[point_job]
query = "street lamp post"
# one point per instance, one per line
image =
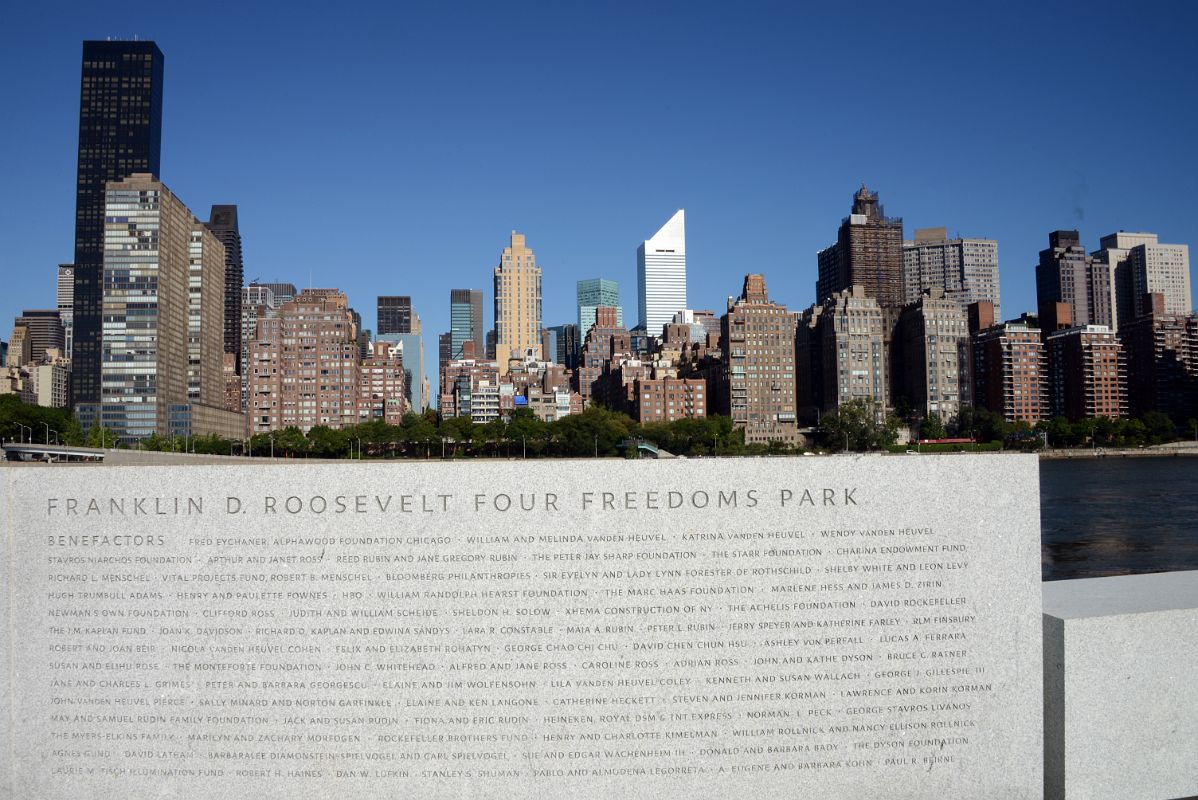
(21, 438)
(358, 439)
(596, 445)
(57, 440)
(272, 445)
(46, 425)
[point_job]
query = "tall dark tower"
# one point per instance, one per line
(465, 321)
(1068, 276)
(120, 132)
(868, 252)
(222, 221)
(394, 314)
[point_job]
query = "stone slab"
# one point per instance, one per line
(1121, 687)
(833, 628)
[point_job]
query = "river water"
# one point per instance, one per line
(1118, 516)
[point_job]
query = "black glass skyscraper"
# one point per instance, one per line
(223, 224)
(465, 321)
(120, 132)
(394, 314)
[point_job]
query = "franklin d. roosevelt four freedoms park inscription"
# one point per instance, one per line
(833, 628)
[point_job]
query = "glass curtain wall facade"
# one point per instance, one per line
(590, 295)
(465, 321)
(394, 314)
(146, 308)
(120, 133)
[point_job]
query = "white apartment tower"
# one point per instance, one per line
(1140, 264)
(661, 275)
(966, 269)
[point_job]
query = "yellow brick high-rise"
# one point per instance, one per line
(517, 303)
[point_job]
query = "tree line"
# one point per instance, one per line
(857, 426)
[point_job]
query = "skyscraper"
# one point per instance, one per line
(283, 292)
(206, 309)
(222, 221)
(568, 343)
(257, 302)
(840, 355)
(1161, 355)
(412, 353)
(148, 259)
(517, 303)
(465, 321)
(44, 329)
(66, 305)
(444, 351)
(382, 391)
(394, 314)
(1010, 367)
(606, 338)
(966, 269)
(932, 357)
(120, 133)
(591, 294)
(868, 253)
(305, 365)
(1067, 275)
(1087, 373)
(758, 337)
(661, 275)
(1141, 265)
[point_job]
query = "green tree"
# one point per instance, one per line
(458, 432)
(989, 426)
(859, 425)
(932, 427)
(528, 431)
(1134, 432)
(1104, 431)
(291, 442)
(417, 433)
(1160, 427)
(1083, 432)
(326, 442)
(260, 445)
(1060, 433)
(159, 444)
(23, 422)
(962, 424)
(596, 429)
(689, 436)
(99, 436)
(378, 438)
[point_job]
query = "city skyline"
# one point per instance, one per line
(581, 205)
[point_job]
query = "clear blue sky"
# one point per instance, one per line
(390, 148)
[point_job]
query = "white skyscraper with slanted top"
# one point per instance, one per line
(661, 275)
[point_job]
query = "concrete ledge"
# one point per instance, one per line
(1121, 687)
